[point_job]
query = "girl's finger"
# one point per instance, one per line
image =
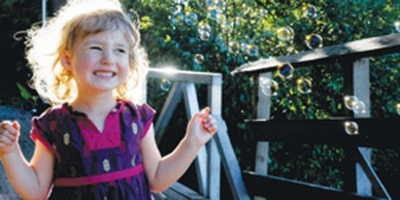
(12, 128)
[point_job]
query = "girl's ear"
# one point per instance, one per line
(65, 60)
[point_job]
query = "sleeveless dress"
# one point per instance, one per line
(91, 164)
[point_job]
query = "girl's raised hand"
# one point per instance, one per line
(202, 127)
(9, 134)
(208, 121)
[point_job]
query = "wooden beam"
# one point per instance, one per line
(273, 187)
(372, 132)
(355, 49)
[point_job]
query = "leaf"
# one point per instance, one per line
(24, 92)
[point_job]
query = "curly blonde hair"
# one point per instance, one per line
(74, 21)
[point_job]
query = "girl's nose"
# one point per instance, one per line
(108, 58)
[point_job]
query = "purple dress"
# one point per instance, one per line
(91, 164)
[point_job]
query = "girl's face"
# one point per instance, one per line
(99, 62)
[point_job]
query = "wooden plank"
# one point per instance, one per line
(214, 99)
(273, 187)
(182, 75)
(178, 191)
(373, 178)
(192, 107)
(373, 132)
(168, 109)
(229, 161)
(355, 49)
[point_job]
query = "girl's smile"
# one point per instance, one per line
(99, 62)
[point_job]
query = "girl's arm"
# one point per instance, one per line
(164, 171)
(30, 180)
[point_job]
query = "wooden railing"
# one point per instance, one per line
(361, 181)
(219, 149)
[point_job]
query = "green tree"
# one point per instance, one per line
(220, 35)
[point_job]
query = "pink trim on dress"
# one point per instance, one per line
(101, 178)
(36, 136)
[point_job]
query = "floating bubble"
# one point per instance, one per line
(314, 41)
(205, 36)
(396, 25)
(398, 108)
(191, 18)
(212, 3)
(359, 107)
(310, 11)
(304, 85)
(285, 33)
(350, 101)
(215, 13)
(234, 47)
(351, 128)
(203, 27)
(165, 84)
(204, 30)
(285, 70)
(268, 86)
(250, 49)
(199, 58)
(178, 18)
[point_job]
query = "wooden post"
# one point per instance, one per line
(262, 148)
(361, 88)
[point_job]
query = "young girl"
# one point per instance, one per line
(94, 143)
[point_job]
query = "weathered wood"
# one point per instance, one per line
(208, 163)
(183, 75)
(355, 49)
(167, 110)
(231, 166)
(361, 89)
(373, 132)
(273, 187)
(178, 191)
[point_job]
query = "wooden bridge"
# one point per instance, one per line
(218, 155)
(361, 181)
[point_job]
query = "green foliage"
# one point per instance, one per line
(237, 27)
(14, 20)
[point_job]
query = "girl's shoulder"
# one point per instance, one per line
(138, 107)
(142, 110)
(53, 111)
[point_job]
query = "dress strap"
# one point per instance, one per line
(101, 178)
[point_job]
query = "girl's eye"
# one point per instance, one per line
(121, 51)
(95, 48)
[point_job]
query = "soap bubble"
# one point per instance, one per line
(204, 30)
(268, 86)
(177, 18)
(350, 101)
(199, 58)
(285, 33)
(234, 47)
(285, 70)
(304, 85)
(359, 107)
(310, 11)
(351, 128)
(165, 84)
(211, 3)
(191, 18)
(250, 49)
(314, 41)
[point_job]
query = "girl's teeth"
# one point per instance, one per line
(104, 74)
